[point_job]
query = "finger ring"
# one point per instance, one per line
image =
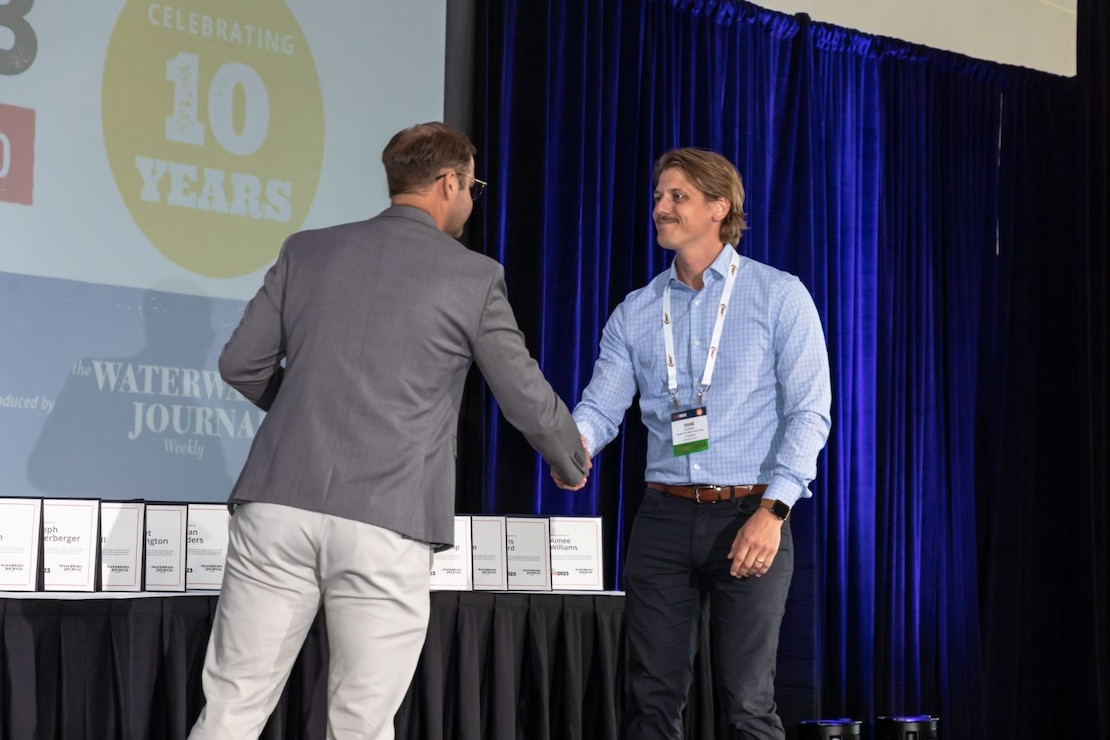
(759, 561)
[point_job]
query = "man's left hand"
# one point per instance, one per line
(757, 542)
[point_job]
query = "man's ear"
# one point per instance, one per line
(721, 207)
(443, 184)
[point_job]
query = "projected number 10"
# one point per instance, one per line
(183, 126)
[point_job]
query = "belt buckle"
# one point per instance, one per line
(697, 494)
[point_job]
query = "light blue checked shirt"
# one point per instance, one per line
(768, 405)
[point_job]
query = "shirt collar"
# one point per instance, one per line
(719, 266)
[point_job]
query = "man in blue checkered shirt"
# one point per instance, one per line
(729, 359)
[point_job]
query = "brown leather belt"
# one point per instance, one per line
(700, 494)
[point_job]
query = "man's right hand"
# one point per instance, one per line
(589, 464)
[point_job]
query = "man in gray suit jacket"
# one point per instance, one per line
(358, 345)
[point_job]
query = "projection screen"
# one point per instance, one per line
(153, 157)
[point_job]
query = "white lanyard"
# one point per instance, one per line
(718, 326)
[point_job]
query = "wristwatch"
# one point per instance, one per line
(778, 508)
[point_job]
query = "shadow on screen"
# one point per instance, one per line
(159, 424)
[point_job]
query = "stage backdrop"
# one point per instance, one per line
(153, 157)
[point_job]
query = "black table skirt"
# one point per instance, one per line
(498, 666)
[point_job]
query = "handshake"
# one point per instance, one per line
(589, 464)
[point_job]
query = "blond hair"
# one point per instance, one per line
(715, 177)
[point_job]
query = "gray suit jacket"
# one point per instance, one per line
(377, 323)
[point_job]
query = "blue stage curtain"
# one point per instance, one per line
(1044, 421)
(938, 233)
(874, 172)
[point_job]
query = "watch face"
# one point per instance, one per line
(777, 508)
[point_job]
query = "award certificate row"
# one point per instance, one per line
(88, 545)
(95, 545)
(510, 553)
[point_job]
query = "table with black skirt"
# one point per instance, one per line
(495, 665)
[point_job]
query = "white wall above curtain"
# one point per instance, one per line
(1039, 34)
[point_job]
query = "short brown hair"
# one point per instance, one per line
(715, 177)
(414, 156)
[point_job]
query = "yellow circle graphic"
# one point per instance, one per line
(214, 128)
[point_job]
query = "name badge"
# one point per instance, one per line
(690, 431)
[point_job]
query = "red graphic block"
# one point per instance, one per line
(17, 154)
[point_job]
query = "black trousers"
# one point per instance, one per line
(676, 567)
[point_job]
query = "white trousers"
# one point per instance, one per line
(282, 563)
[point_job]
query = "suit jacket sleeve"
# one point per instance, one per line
(526, 398)
(251, 360)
